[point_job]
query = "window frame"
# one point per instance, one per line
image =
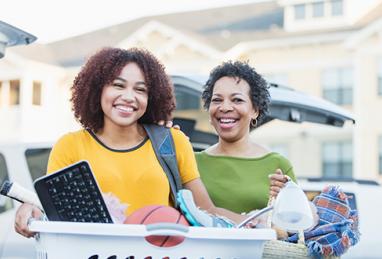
(185, 90)
(40, 155)
(14, 101)
(314, 9)
(338, 3)
(37, 99)
(299, 9)
(342, 163)
(342, 93)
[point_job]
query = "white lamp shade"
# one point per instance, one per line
(291, 209)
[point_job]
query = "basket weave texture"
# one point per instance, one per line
(277, 249)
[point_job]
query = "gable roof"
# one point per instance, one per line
(202, 25)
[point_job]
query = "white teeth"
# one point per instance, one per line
(227, 120)
(124, 108)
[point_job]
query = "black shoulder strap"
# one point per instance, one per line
(164, 148)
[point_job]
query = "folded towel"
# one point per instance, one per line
(337, 228)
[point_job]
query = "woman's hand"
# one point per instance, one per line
(23, 214)
(168, 124)
(277, 182)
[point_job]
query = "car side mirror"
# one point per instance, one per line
(12, 36)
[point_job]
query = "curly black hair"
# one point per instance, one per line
(259, 92)
(102, 68)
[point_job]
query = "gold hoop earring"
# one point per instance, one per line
(254, 123)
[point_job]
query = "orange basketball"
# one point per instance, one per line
(158, 214)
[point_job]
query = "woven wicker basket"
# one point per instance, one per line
(276, 249)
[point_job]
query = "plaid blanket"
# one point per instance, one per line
(337, 229)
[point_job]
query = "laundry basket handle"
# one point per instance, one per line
(170, 229)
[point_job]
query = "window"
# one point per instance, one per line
(299, 11)
(37, 160)
(338, 159)
(380, 156)
(338, 85)
(186, 98)
(14, 89)
(380, 77)
(36, 95)
(318, 9)
(337, 7)
(5, 203)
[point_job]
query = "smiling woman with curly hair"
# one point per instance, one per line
(116, 92)
(103, 68)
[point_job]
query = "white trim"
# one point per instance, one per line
(245, 47)
(294, 2)
(176, 38)
(361, 35)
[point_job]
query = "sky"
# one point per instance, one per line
(52, 20)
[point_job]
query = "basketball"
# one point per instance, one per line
(158, 214)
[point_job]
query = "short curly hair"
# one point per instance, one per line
(102, 68)
(259, 92)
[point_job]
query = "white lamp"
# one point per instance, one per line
(291, 210)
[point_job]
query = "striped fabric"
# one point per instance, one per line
(337, 229)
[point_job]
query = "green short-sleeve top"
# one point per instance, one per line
(240, 184)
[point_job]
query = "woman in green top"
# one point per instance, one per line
(236, 171)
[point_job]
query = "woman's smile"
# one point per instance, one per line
(124, 110)
(227, 123)
(231, 109)
(124, 101)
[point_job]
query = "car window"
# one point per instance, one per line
(186, 98)
(352, 198)
(37, 160)
(5, 203)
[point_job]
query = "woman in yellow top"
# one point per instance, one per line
(114, 93)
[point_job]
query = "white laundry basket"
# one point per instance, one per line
(58, 240)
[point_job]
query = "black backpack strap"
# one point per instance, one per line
(164, 148)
